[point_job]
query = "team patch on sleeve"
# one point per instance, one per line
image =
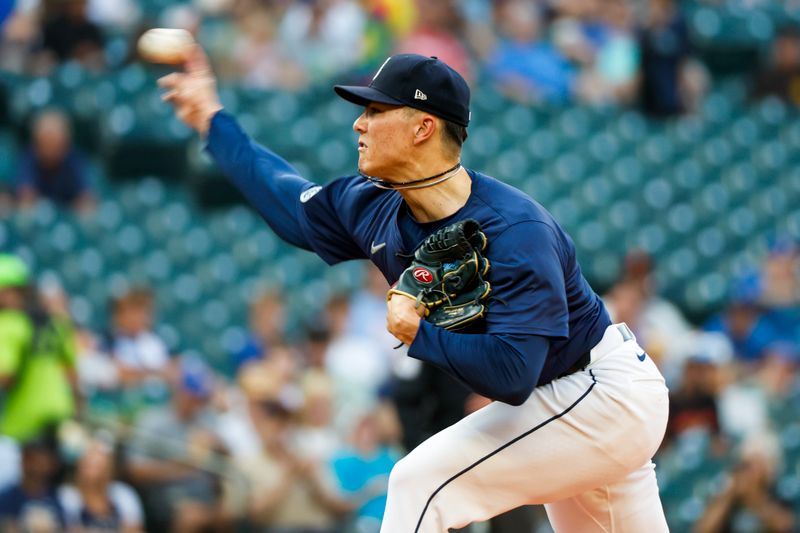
(309, 193)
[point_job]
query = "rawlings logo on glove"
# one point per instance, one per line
(446, 276)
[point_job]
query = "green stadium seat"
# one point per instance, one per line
(336, 158)
(770, 158)
(682, 219)
(543, 145)
(158, 266)
(538, 187)
(512, 166)
(717, 108)
(597, 191)
(623, 215)
(631, 127)
(627, 172)
(710, 242)
(565, 210)
(592, 236)
(604, 147)
(484, 141)
(214, 314)
(716, 152)
(517, 121)
(658, 193)
(771, 111)
(569, 168)
(741, 222)
(8, 158)
(131, 240)
(793, 224)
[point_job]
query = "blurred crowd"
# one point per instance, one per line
(600, 52)
(109, 431)
(632, 53)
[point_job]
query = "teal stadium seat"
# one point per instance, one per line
(8, 158)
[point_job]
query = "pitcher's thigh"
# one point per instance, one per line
(631, 505)
(502, 457)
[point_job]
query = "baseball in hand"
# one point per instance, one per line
(165, 45)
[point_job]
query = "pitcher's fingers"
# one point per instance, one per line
(169, 97)
(197, 60)
(170, 80)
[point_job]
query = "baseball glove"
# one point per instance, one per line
(446, 276)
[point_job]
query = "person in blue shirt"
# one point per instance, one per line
(52, 168)
(579, 409)
(33, 504)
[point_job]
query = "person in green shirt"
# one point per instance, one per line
(37, 357)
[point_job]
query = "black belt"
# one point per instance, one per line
(582, 362)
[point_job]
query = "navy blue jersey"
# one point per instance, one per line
(544, 315)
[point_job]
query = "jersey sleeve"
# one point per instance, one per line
(330, 233)
(527, 278)
(299, 211)
(501, 367)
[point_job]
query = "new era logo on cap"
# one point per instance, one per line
(424, 83)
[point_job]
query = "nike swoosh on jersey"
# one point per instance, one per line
(641, 356)
(376, 247)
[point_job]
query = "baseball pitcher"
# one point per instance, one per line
(486, 286)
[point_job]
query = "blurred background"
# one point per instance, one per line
(167, 364)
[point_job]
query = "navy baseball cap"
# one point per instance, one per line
(424, 83)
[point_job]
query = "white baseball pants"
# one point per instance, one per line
(582, 445)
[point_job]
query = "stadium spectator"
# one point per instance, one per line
(611, 76)
(659, 325)
(37, 357)
(357, 363)
(780, 290)
(169, 453)
(267, 324)
(68, 34)
(18, 37)
(52, 168)
(523, 64)
(743, 322)
(257, 56)
(315, 439)
(288, 494)
(575, 28)
(777, 370)
(271, 377)
(96, 502)
(694, 403)
(671, 82)
(32, 505)
(437, 32)
(748, 496)
(325, 37)
(141, 357)
(363, 470)
(781, 76)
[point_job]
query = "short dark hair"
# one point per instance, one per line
(454, 134)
